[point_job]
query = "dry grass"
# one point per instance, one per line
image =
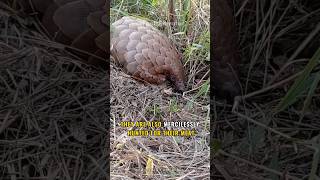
(173, 157)
(251, 141)
(53, 109)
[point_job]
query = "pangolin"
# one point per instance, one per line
(141, 49)
(146, 53)
(226, 59)
(82, 24)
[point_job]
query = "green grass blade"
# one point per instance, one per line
(301, 84)
(311, 92)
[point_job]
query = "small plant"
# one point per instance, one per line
(173, 106)
(155, 110)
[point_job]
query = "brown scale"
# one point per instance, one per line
(226, 59)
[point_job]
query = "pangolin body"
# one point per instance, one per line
(79, 23)
(146, 53)
(142, 50)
